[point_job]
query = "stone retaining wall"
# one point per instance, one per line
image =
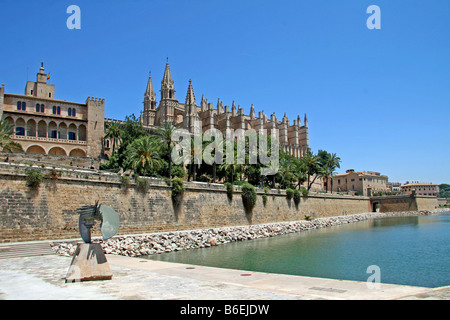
(49, 210)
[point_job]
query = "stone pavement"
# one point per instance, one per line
(42, 278)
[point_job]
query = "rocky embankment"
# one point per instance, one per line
(148, 244)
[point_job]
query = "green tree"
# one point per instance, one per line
(312, 166)
(6, 144)
(131, 130)
(113, 133)
(165, 133)
(143, 156)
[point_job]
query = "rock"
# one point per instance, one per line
(184, 240)
(213, 242)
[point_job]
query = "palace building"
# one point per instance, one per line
(45, 125)
(293, 137)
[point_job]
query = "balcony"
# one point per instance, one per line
(51, 140)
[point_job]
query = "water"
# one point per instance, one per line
(408, 250)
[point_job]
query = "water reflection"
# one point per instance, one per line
(394, 221)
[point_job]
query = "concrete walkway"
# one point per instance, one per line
(42, 277)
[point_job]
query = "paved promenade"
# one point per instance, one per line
(42, 277)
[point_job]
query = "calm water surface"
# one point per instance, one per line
(408, 250)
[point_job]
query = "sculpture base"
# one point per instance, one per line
(88, 263)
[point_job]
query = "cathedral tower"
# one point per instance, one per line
(166, 110)
(190, 115)
(148, 116)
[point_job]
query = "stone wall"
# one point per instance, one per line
(404, 203)
(49, 160)
(48, 211)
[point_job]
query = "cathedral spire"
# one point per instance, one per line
(167, 79)
(190, 116)
(190, 97)
(167, 85)
(252, 112)
(150, 92)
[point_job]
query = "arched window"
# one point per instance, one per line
(19, 104)
(20, 131)
(24, 106)
(58, 110)
(70, 112)
(42, 108)
(73, 112)
(72, 136)
(38, 107)
(54, 109)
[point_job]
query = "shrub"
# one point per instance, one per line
(177, 189)
(289, 193)
(248, 196)
(123, 179)
(54, 175)
(264, 198)
(142, 184)
(305, 192)
(34, 178)
(230, 190)
(296, 197)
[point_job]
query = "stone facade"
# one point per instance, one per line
(45, 125)
(365, 183)
(403, 203)
(424, 189)
(293, 138)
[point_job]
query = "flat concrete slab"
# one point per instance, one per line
(43, 277)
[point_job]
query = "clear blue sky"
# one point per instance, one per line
(380, 99)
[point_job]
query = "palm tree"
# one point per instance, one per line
(165, 133)
(6, 144)
(326, 172)
(286, 172)
(311, 164)
(334, 162)
(143, 155)
(113, 133)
